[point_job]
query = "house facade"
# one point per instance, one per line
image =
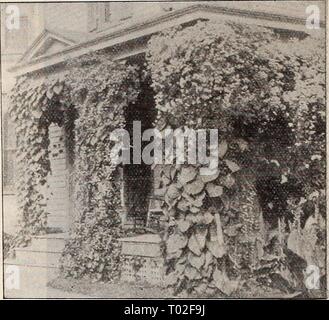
(123, 29)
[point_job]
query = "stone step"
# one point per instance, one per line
(58, 222)
(58, 195)
(23, 280)
(27, 271)
(58, 203)
(145, 250)
(59, 169)
(34, 257)
(57, 211)
(51, 242)
(145, 245)
(57, 178)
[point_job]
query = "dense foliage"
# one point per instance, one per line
(90, 96)
(36, 102)
(266, 97)
(102, 90)
(256, 218)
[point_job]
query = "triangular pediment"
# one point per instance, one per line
(47, 43)
(50, 46)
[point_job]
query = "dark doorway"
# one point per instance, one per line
(138, 178)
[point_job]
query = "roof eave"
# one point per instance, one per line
(156, 24)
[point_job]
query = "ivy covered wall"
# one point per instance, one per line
(95, 91)
(243, 81)
(265, 96)
(103, 95)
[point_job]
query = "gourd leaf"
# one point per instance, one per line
(223, 283)
(213, 190)
(232, 166)
(222, 149)
(187, 174)
(194, 187)
(193, 245)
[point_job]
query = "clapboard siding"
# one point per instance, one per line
(58, 198)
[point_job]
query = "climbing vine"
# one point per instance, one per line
(35, 104)
(265, 96)
(91, 95)
(104, 91)
(265, 103)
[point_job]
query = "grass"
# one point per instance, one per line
(110, 290)
(122, 290)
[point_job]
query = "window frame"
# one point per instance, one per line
(108, 17)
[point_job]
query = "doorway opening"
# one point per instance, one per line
(138, 179)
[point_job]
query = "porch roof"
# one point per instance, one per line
(130, 39)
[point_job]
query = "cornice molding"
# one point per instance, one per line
(142, 30)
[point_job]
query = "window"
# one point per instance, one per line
(113, 13)
(107, 13)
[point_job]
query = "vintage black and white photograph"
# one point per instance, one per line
(164, 150)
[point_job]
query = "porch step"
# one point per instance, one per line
(142, 259)
(29, 273)
(36, 264)
(50, 242)
(145, 245)
(58, 222)
(30, 280)
(33, 256)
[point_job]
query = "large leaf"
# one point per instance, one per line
(197, 201)
(219, 231)
(176, 242)
(295, 243)
(183, 225)
(193, 245)
(213, 190)
(234, 167)
(194, 187)
(304, 244)
(243, 144)
(187, 174)
(223, 283)
(228, 181)
(208, 218)
(173, 173)
(216, 250)
(173, 191)
(196, 261)
(183, 205)
(201, 235)
(222, 149)
(165, 175)
(49, 94)
(170, 201)
(172, 278)
(209, 259)
(211, 177)
(232, 230)
(58, 88)
(192, 273)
